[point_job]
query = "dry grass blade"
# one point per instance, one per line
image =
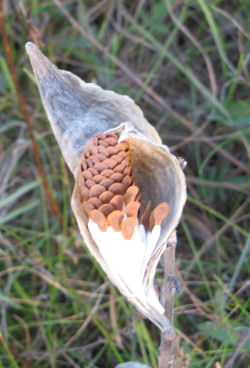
(232, 20)
(42, 274)
(87, 321)
(122, 66)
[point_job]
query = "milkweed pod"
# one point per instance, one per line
(129, 189)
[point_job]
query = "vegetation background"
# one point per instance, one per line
(186, 64)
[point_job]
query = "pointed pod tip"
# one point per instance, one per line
(33, 51)
(40, 63)
(29, 46)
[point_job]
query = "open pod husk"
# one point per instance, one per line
(77, 111)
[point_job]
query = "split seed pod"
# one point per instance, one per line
(129, 189)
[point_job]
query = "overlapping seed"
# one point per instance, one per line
(107, 190)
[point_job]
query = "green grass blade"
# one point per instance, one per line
(20, 192)
(215, 31)
(184, 69)
(19, 211)
(242, 259)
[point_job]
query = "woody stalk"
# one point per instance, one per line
(129, 189)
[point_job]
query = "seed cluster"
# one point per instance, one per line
(107, 190)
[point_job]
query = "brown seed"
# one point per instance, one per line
(161, 212)
(128, 227)
(110, 163)
(112, 141)
(126, 160)
(117, 201)
(84, 194)
(87, 174)
(89, 162)
(101, 157)
(98, 178)
(96, 190)
(158, 215)
(126, 182)
(94, 159)
(131, 194)
(89, 183)
(111, 134)
(103, 150)
(132, 209)
(93, 171)
(120, 168)
(99, 218)
(121, 156)
(116, 158)
(127, 170)
(103, 142)
(100, 166)
(95, 201)
(115, 220)
(122, 146)
(106, 209)
(106, 196)
(111, 150)
(93, 150)
(107, 173)
(116, 188)
(106, 182)
(116, 176)
(87, 207)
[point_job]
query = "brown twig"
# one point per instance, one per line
(23, 108)
(166, 351)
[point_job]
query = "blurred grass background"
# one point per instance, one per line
(186, 64)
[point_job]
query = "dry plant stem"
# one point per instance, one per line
(23, 108)
(166, 351)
